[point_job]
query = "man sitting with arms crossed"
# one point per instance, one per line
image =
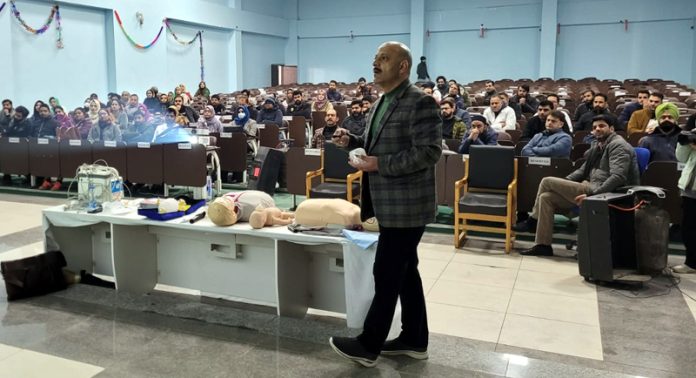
(552, 142)
(611, 163)
(500, 116)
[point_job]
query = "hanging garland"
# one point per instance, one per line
(199, 36)
(137, 45)
(2, 6)
(55, 14)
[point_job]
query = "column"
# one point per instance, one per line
(547, 45)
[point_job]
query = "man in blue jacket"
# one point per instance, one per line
(552, 142)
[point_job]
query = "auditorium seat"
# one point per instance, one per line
(184, 164)
(14, 156)
(74, 153)
(44, 157)
(112, 154)
(145, 163)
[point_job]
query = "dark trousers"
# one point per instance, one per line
(396, 276)
(689, 229)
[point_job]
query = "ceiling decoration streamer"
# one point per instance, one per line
(136, 44)
(2, 6)
(55, 14)
(199, 36)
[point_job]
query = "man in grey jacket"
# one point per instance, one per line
(402, 140)
(611, 163)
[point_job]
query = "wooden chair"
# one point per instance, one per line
(337, 178)
(269, 135)
(530, 176)
(635, 138)
(488, 192)
(14, 156)
(578, 151)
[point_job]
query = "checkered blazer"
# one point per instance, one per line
(407, 144)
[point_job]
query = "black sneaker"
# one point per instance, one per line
(350, 348)
(529, 225)
(538, 250)
(397, 348)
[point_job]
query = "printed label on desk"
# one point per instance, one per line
(685, 93)
(204, 140)
(202, 132)
(184, 146)
(14, 140)
(680, 166)
(75, 142)
(42, 141)
(670, 85)
(312, 152)
(261, 126)
(109, 143)
(225, 135)
(287, 118)
(545, 161)
(143, 145)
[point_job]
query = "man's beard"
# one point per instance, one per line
(356, 114)
(446, 116)
(298, 102)
(667, 126)
(598, 110)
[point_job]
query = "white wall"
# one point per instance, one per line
(260, 51)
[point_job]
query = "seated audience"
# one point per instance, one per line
(270, 113)
(490, 92)
(202, 90)
(553, 141)
(355, 122)
(452, 126)
(243, 100)
(466, 101)
(428, 88)
(164, 104)
(6, 115)
(171, 131)
(553, 98)
(119, 115)
(690, 123)
(244, 123)
(527, 102)
(298, 107)
(82, 122)
(480, 133)
(585, 106)
(662, 142)
(630, 108)
(600, 107)
(454, 94)
(93, 112)
(209, 121)
(37, 106)
(63, 120)
(537, 123)
(441, 86)
(321, 104)
(180, 90)
(151, 101)
(325, 133)
(53, 103)
(184, 112)
(106, 130)
(142, 130)
(333, 94)
(217, 104)
(643, 120)
(362, 90)
(20, 125)
(611, 163)
(44, 126)
(133, 106)
(506, 100)
(367, 104)
(499, 116)
(94, 97)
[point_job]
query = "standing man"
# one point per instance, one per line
(403, 143)
(422, 70)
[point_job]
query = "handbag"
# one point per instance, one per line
(35, 275)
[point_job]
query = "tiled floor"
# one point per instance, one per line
(490, 314)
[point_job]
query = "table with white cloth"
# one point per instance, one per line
(271, 266)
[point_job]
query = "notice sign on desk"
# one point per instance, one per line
(184, 146)
(143, 145)
(75, 142)
(42, 141)
(13, 140)
(312, 152)
(110, 143)
(545, 161)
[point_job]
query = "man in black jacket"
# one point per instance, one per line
(527, 103)
(585, 106)
(299, 107)
(355, 122)
(599, 106)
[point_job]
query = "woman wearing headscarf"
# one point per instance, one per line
(93, 114)
(209, 121)
(180, 90)
(247, 125)
(321, 103)
(82, 122)
(106, 130)
(151, 101)
(118, 113)
(203, 90)
(54, 103)
(62, 118)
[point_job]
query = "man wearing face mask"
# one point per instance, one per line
(611, 163)
(662, 143)
(299, 107)
(644, 120)
(355, 122)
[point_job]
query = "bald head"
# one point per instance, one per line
(392, 65)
